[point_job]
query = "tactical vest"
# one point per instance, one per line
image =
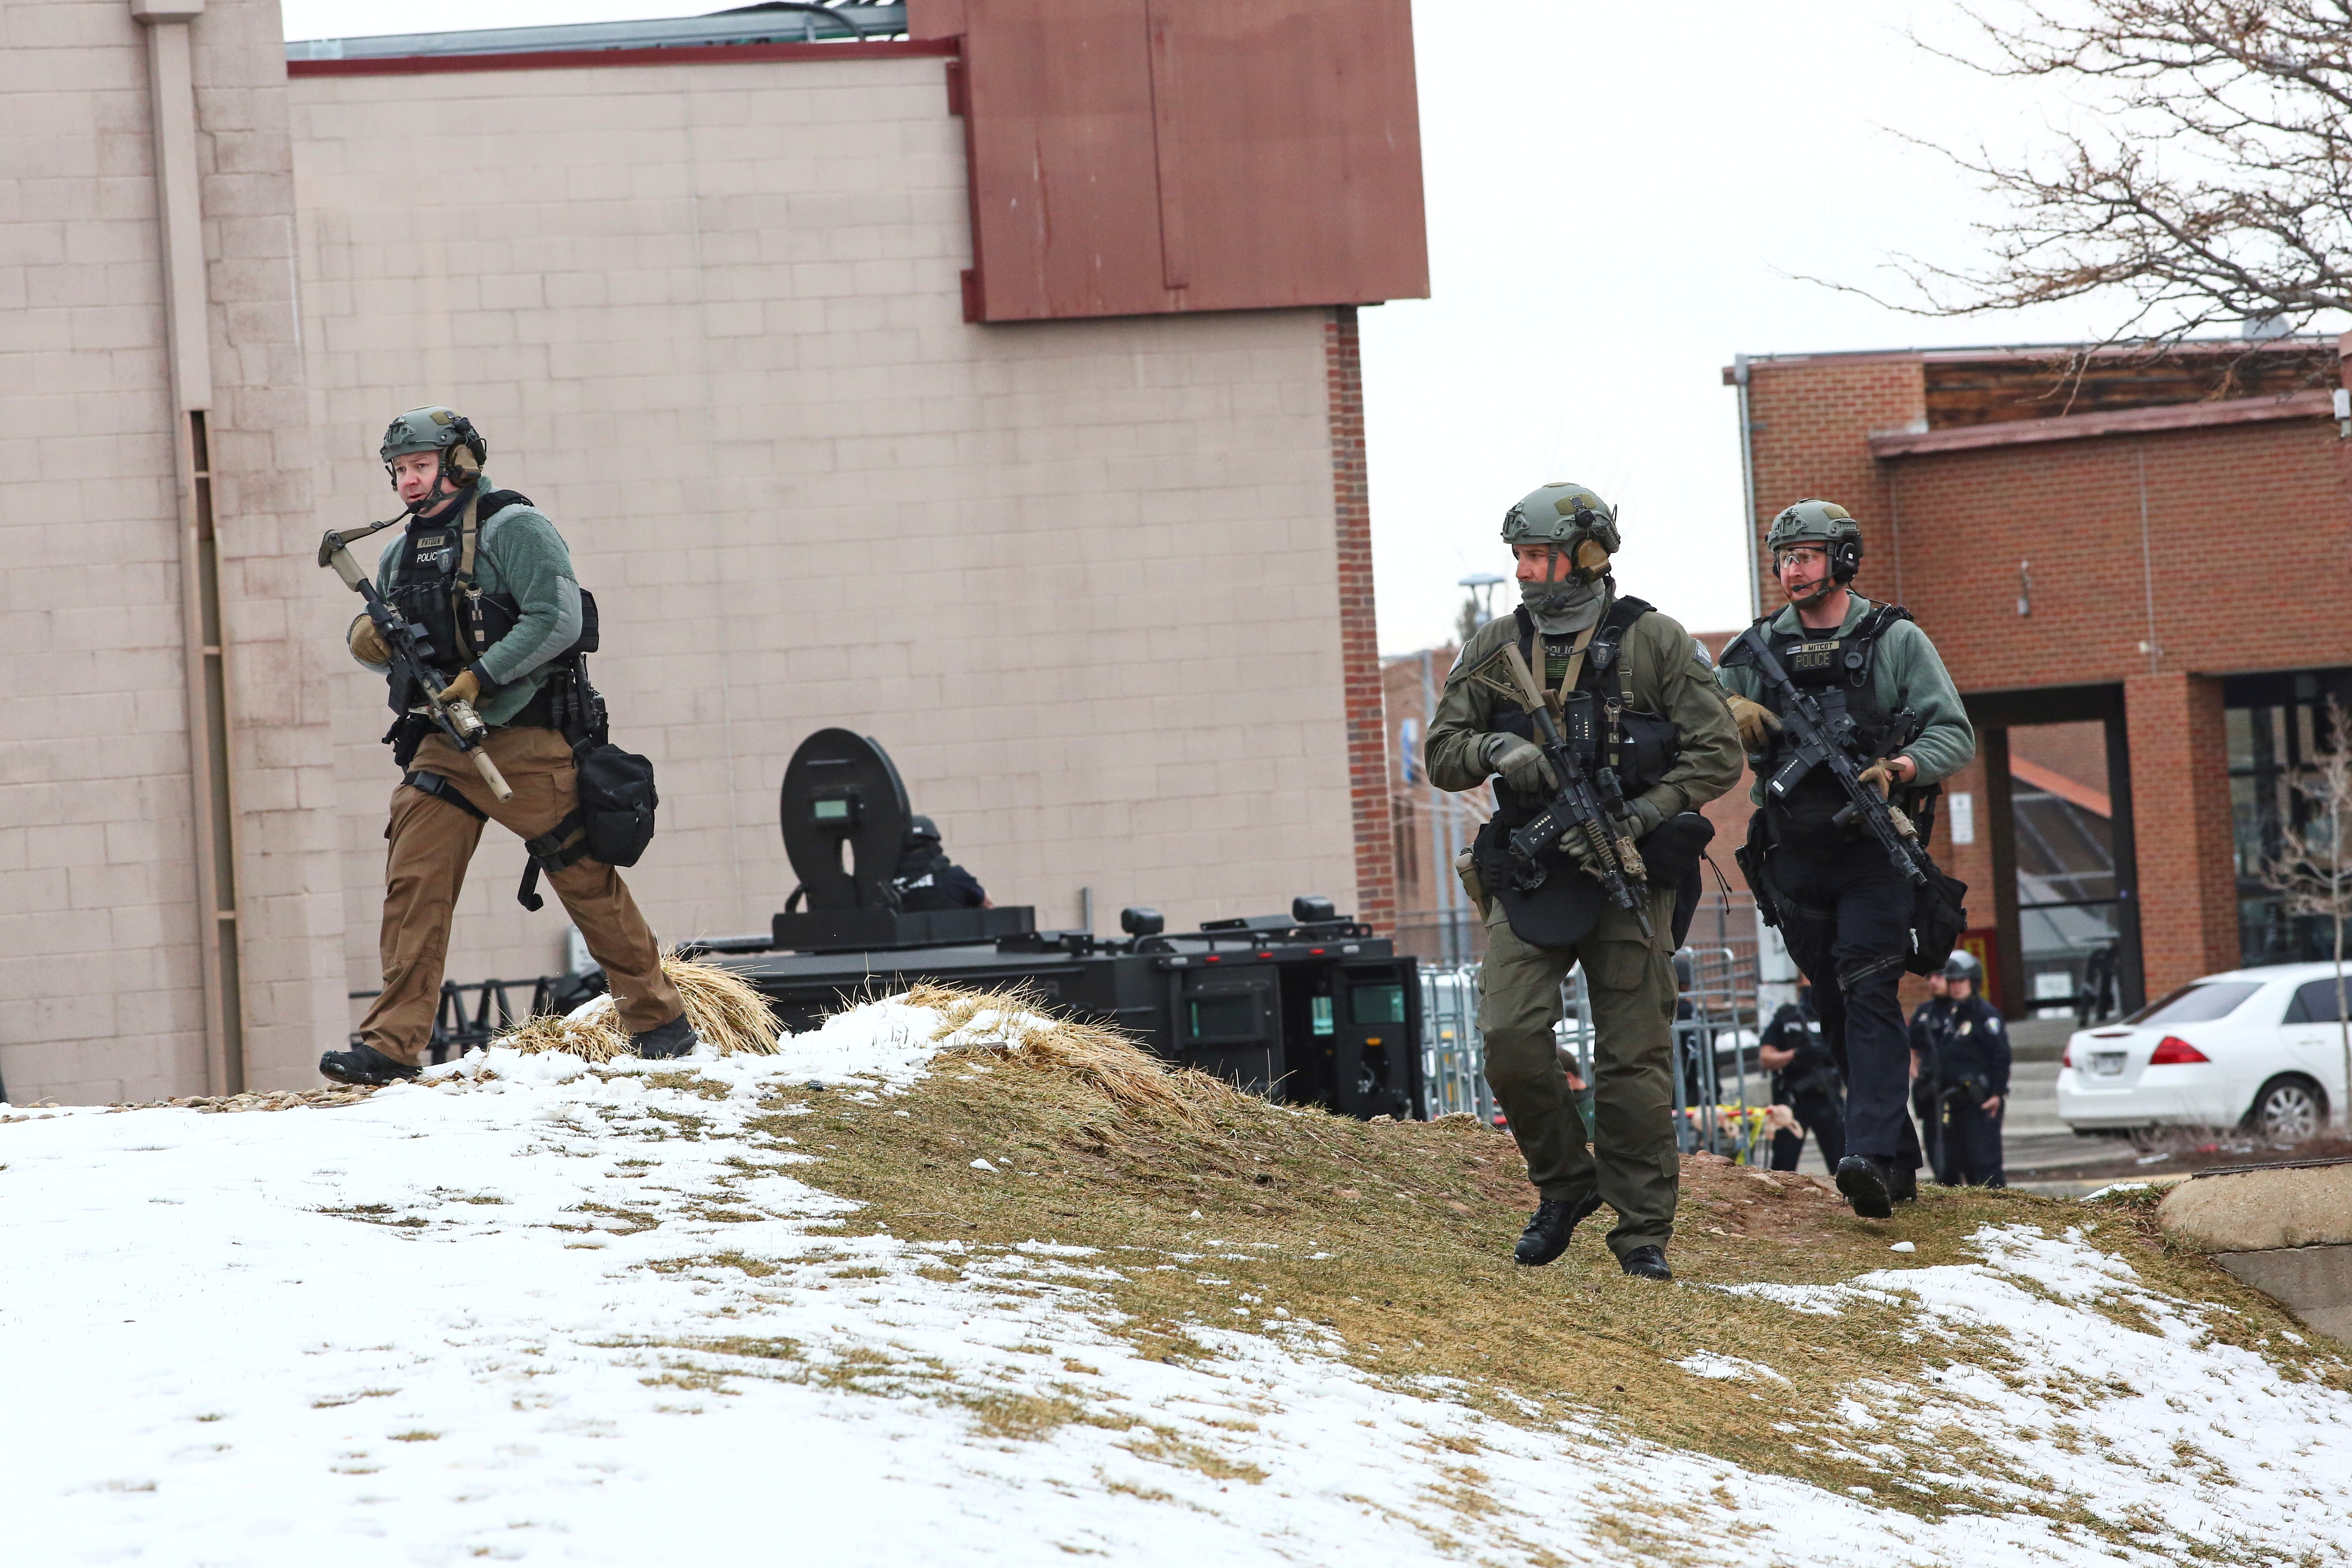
(1838, 668)
(1600, 722)
(432, 589)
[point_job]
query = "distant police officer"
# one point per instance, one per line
(928, 880)
(1634, 686)
(1805, 1079)
(1847, 914)
(489, 580)
(1963, 1058)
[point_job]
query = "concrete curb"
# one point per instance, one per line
(2285, 1229)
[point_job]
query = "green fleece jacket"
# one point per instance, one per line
(1907, 673)
(517, 551)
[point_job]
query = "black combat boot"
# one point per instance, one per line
(1903, 1185)
(1868, 1185)
(675, 1038)
(1646, 1263)
(1549, 1228)
(364, 1066)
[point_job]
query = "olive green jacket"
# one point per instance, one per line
(1906, 672)
(1663, 671)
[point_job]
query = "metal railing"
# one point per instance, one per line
(455, 1030)
(1715, 1013)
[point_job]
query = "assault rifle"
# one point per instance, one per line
(1581, 810)
(412, 657)
(1827, 740)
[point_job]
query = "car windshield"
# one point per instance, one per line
(2200, 1001)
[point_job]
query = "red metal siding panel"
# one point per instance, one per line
(1142, 157)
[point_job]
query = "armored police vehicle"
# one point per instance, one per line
(1310, 1007)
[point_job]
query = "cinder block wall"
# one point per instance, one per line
(100, 996)
(1081, 578)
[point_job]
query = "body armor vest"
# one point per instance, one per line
(1838, 669)
(429, 591)
(1600, 720)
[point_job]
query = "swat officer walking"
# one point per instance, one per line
(489, 580)
(1805, 1079)
(1962, 1056)
(1632, 692)
(1848, 915)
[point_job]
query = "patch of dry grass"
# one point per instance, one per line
(1101, 1058)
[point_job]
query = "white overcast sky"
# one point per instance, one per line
(1619, 198)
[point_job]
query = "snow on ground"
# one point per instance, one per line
(437, 1327)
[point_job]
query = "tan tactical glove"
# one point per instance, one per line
(465, 688)
(1756, 722)
(1521, 764)
(1885, 776)
(367, 642)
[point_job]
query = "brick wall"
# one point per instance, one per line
(1367, 742)
(97, 943)
(2180, 794)
(1079, 577)
(1808, 423)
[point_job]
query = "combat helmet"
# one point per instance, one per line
(1572, 520)
(442, 430)
(1821, 522)
(1964, 965)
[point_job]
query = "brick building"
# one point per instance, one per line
(2134, 574)
(1070, 514)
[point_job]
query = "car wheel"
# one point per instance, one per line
(2288, 1110)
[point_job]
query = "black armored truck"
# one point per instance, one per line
(1309, 1007)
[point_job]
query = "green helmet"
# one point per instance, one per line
(1574, 522)
(1562, 513)
(1821, 522)
(442, 430)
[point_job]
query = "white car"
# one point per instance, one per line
(2254, 1047)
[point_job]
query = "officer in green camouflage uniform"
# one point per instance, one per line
(1659, 722)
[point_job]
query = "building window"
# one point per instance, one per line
(2276, 724)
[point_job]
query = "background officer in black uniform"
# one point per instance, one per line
(928, 880)
(1846, 913)
(1805, 1079)
(1963, 1062)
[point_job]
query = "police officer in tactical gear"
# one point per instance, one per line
(1847, 914)
(1634, 696)
(1962, 1055)
(1805, 1079)
(927, 880)
(489, 580)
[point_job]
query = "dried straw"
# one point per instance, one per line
(724, 1012)
(728, 1015)
(1104, 1058)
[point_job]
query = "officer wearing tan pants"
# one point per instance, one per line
(488, 580)
(432, 840)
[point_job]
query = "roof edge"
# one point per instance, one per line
(1994, 352)
(2317, 403)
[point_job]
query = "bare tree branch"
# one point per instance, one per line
(2217, 188)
